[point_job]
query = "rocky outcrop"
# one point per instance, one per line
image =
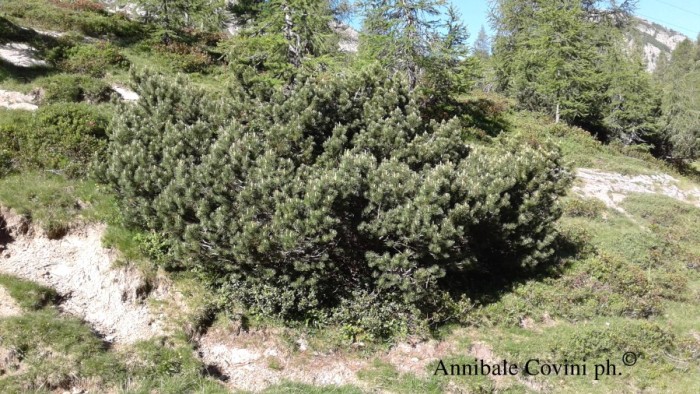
(656, 41)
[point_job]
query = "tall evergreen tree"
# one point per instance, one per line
(565, 58)
(412, 36)
(547, 58)
(176, 15)
(633, 100)
(482, 45)
(277, 36)
(681, 106)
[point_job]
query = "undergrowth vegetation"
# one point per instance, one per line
(44, 350)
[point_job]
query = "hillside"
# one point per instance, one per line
(137, 175)
(656, 41)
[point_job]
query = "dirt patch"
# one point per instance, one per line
(415, 357)
(8, 305)
(483, 351)
(21, 55)
(255, 360)
(112, 300)
(17, 100)
(612, 188)
(10, 362)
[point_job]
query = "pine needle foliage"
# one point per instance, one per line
(332, 190)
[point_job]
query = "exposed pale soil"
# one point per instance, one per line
(21, 55)
(8, 305)
(112, 300)
(17, 100)
(612, 188)
(255, 360)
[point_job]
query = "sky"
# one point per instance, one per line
(682, 16)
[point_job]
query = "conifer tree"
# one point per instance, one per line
(547, 58)
(633, 106)
(680, 79)
(176, 15)
(415, 37)
(277, 36)
(482, 45)
(566, 58)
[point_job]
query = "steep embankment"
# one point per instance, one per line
(114, 300)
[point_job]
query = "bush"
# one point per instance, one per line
(646, 339)
(70, 136)
(14, 126)
(93, 59)
(302, 198)
(588, 208)
(185, 57)
(62, 137)
(86, 17)
(74, 88)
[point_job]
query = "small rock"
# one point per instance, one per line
(126, 94)
(303, 345)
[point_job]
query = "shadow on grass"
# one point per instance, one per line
(489, 285)
(9, 71)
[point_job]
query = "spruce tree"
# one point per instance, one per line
(276, 37)
(482, 45)
(421, 38)
(680, 79)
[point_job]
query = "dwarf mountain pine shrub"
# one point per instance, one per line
(333, 188)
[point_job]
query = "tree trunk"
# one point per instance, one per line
(556, 116)
(292, 38)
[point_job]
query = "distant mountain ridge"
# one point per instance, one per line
(656, 41)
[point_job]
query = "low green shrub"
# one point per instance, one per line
(600, 285)
(74, 88)
(297, 201)
(646, 339)
(588, 208)
(14, 126)
(68, 137)
(93, 59)
(63, 136)
(184, 57)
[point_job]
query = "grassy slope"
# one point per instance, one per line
(585, 310)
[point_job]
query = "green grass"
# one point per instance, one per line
(583, 150)
(46, 15)
(597, 341)
(54, 202)
(300, 388)
(54, 350)
(29, 295)
(384, 376)
(46, 351)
